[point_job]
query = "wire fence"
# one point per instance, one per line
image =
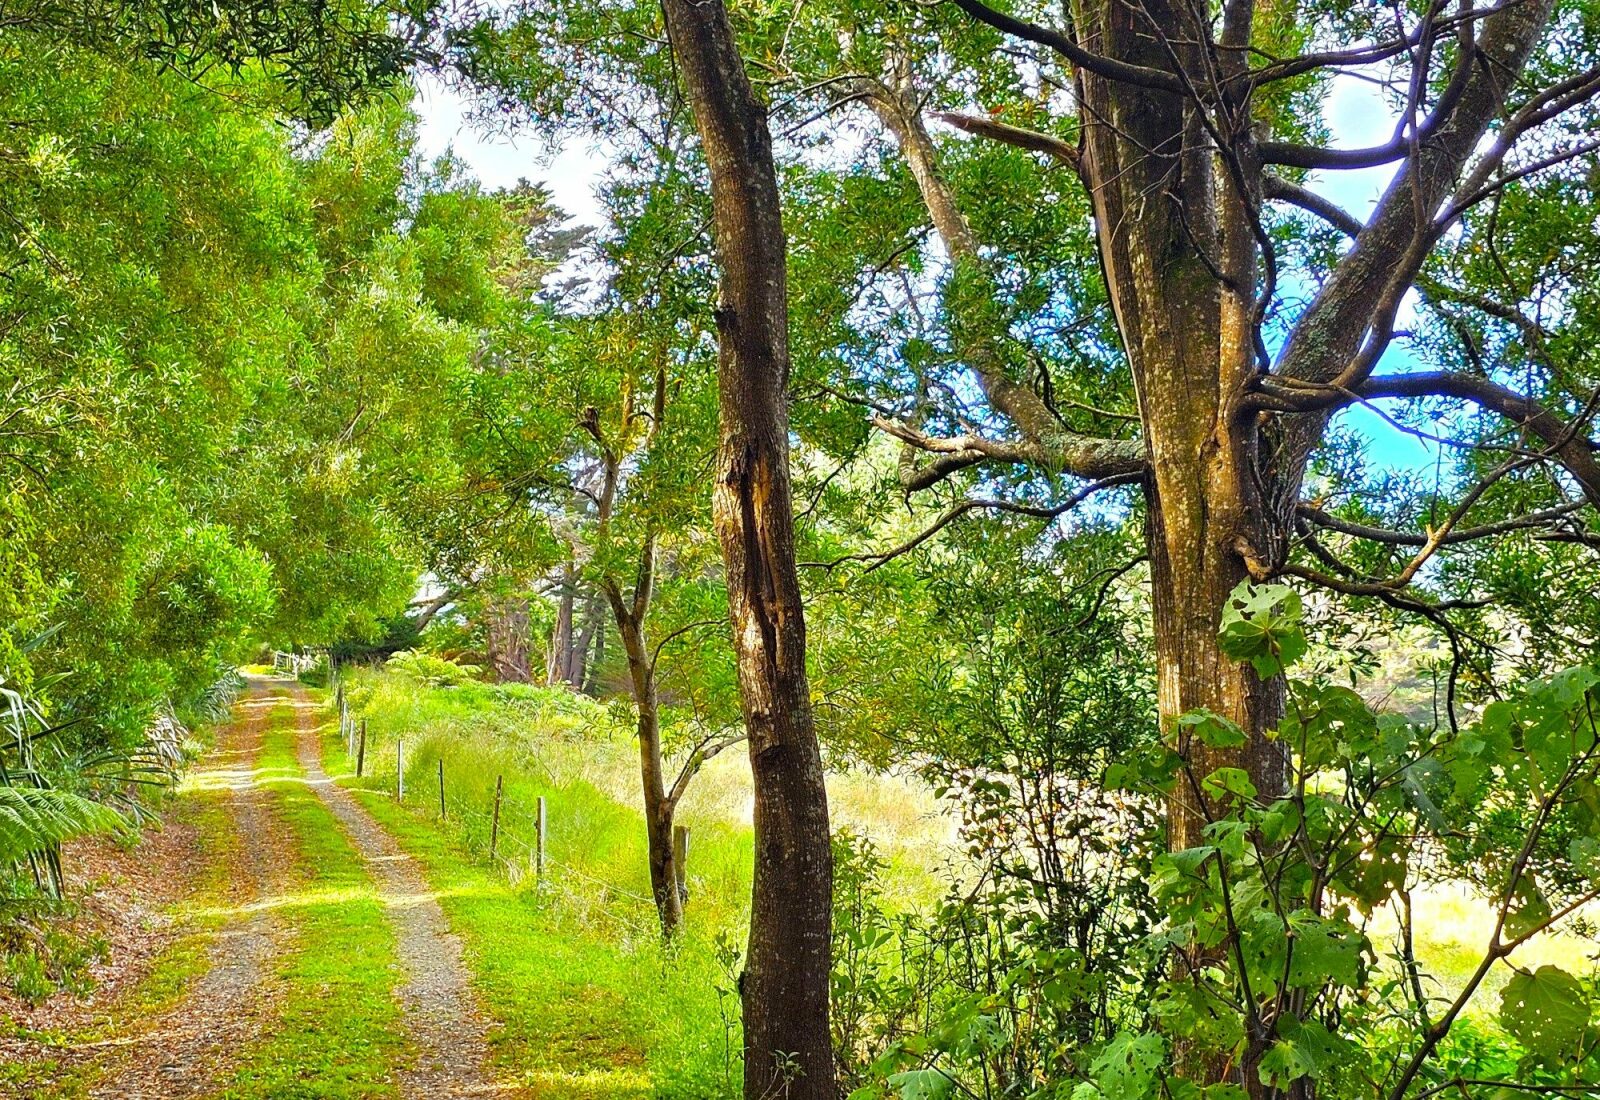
(498, 832)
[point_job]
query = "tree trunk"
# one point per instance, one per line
(788, 1052)
(658, 807)
(1180, 265)
(508, 641)
(1180, 262)
(596, 662)
(559, 660)
(593, 628)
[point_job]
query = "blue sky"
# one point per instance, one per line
(1357, 116)
(1355, 113)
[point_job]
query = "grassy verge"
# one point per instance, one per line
(584, 1000)
(335, 1029)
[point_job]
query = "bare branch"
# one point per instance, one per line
(1032, 140)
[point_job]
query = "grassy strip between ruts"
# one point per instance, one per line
(583, 1007)
(335, 1031)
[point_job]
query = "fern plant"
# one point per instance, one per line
(36, 814)
(35, 820)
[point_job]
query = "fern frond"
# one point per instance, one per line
(37, 819)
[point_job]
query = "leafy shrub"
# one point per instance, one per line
(1263, 974)
(432, 671)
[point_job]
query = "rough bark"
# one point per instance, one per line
(508, 640)
(597, 661)
(1173, 167)
(1180, 267)
(788, 1050)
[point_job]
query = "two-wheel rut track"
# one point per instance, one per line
(194, 1049)
(185, 1053)
(447, 1033)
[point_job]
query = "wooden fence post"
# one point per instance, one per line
(538, 852)
(442, 816)
(399, 769)
(494, 827)
(361, 751)
(680, 860)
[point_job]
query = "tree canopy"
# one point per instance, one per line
(1050, 400)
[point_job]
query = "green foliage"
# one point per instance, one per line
(1549, 1012)
(1266, 914)
(1261, 624)
(35, 820)
(226, 348)
(432, 671)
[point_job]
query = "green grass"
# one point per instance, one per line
(586, 1002)
(566, 749)
(199, 803)
(335, 1029)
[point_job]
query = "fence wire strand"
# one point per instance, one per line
(521, 863)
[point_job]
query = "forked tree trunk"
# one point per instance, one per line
(1189, 347)
(659, 808)
(788, 1051)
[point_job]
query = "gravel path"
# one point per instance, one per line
(446, 1030)
(183, 1055)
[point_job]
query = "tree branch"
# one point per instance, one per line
(1276, 187)
(1314, 514)
(1032, 140)
(1110, 68)
(1566, 442)
(955, 512)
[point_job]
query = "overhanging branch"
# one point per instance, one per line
(1108, 67)
(956, 511)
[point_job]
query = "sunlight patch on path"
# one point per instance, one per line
(444, 1023)
(183, 1054)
